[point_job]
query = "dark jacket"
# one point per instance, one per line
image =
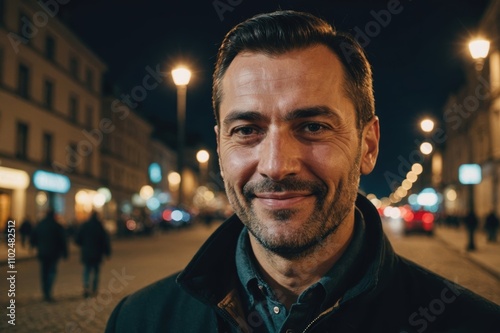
(394, 295)
(49, 238)
(94, 241)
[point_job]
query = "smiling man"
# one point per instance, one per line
(296, 127)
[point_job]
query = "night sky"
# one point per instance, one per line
(418, 57)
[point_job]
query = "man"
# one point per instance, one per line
(50, 240)
(296, 127)
(94, 243)
(491, 226)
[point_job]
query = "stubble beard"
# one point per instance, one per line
(327, 215)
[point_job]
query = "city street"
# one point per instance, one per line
(139, 261)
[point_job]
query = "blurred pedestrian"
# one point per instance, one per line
(25, 231)
(491, 227)
(49, 238)
(471, 224)
(94, 242)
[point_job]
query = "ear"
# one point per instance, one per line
(216, 129)
(369, 146)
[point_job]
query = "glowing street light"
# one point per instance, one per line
(202, 157)
(479, 49)
(181, 77)
(426, 148)
(427, 125)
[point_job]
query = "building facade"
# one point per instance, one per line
(50, 102)
(472, 120)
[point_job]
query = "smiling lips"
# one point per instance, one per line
(281, 200)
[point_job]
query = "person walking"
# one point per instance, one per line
(491, 226)
(94, 242)
(49, 239)
(471, 224)
(25, 231)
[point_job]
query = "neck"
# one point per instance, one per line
(290, 277)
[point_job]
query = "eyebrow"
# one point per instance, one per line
(242, 115)
(313, 111)
(308, 112)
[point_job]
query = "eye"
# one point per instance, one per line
(244, 131)
(313, 127)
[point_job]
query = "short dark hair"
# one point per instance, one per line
(282, 31)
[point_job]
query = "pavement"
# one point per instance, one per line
(486, 256)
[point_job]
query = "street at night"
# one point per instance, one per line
(130, 131)
(136, 262)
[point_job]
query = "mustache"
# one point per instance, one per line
(287, 184)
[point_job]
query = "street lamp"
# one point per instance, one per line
(181, 77)
(203, 156)
(427, 125)
(479, 49)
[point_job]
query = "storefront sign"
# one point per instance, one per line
(14, 179)
(52, 182)
(469, 174)
(155, 173)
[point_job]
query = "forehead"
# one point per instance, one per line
(299, 78)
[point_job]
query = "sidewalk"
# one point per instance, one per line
(486, 255)
(23, 253)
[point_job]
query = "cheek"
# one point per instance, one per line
(238, 165)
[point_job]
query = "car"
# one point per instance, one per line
(419, 221)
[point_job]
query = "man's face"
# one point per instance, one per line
(289, 149)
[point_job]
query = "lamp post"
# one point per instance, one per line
(479, 49)
(202, 156)
(181, 77)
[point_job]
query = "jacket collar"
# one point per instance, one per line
(211, 274)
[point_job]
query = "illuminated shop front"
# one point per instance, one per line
(13, 184)
(52, 188)
(87, 200)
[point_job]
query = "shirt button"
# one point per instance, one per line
(276, 310)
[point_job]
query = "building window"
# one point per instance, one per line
(22, 141)
(48, 94)
(89, 79)
(73, 109)
(73, 147)
(1, 64)
(47, 149)
(23, 81)
(105, 172)
(88, 164)
(89, 117)
(26, 30)
(50, 47)
(73, 67)
(2, 11)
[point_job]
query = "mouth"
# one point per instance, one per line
(281, 200)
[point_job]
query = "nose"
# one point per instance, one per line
(279, 156)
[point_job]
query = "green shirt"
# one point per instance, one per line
(265, 313)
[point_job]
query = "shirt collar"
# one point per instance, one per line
(344, 273)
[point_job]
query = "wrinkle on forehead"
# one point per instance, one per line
(252, 74)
